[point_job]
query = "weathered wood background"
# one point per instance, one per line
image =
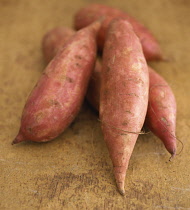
(74, 170)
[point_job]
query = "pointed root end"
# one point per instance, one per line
(120, 187)
(122, 192)
(173, 154)
(120, 173)
(19, 138)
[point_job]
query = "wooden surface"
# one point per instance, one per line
(74, 171)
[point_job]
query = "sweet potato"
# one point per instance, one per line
(54, 40)
(161, 114)
(59, 93)
(123, 95)
(88, 14)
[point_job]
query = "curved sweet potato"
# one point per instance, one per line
(123, 95)
(59, 93)
(161, 114)
(88, 14)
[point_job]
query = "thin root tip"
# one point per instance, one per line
(172, 156)
(121, 189)
(120, 173)
(19, 138)
(13, 142)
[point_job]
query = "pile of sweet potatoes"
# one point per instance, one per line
(118, 83)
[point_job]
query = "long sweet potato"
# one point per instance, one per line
(123, 95)
(59, 93)
(54, 40)
(88, 14)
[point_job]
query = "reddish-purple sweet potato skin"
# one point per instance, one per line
(161, 114)
(123, 95)
(88, 14)
(54, 40)
(58, 95)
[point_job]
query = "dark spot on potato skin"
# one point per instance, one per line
(29, 129)
(77, 64)
(85, 46)
(69, 79)
(124, 123)
(56, 103)
(53, 102)
(78, 57)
